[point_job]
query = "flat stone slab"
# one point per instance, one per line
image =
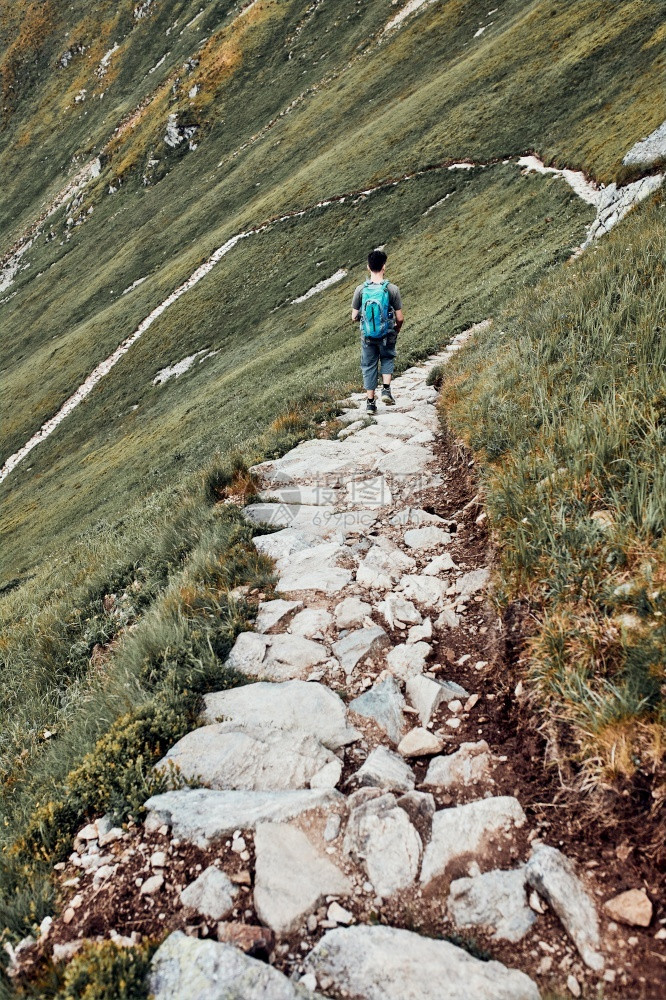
(378, 963)
(315, 569)
(212, 894)
(311, 623)
(271, 613)
(275, 657)
(427, 538)
(313, 518)
(351, 611)
(291, 877)
(280, 544)
(295, 706)
(255, 757)
(381, 836)
(473, 581)
(426, 695)
(383, 703)
(408, 460)
(296, 496)
(372, 493)
(202, 815)
(386, 770)
(471, 832)
(554, 877)
(496, 901)
(355, 646)
(470, 767)
(199, 969)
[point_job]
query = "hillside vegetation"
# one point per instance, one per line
(318, 133)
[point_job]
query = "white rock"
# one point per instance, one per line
(380, 835)
(291, 877)
(295, 706)
(201, 815)
(271, 613)
(281, 544)
(386, 963)
(405, 461)
(425, 539)
(311, 623)
(355, 646)
(371, 493)
(275, 657)
(310, 518)
(351, 611)
(473, 581)
(495, 901)
(338, 915)
(439, 565)
(469, 766)
(231, 755)
(383, 703)
(397, 610)
(158, 859)
(420, 743)
(386, 770)
(426, 695)
(418, 633)
(554, 877)
(408, 659)
(152, 885)
(383, 566)
(199, 969)
(646, 152)
(427, 590)
(315, 569)
(471, 831)
(447, 618)
(212, 894)
(297, 495)
(412, 515)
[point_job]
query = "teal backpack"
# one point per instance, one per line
(376, 318)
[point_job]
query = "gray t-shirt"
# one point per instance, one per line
(395, 300)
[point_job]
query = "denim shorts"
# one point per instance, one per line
(377, 354)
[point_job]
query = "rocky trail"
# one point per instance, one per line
(366, 817)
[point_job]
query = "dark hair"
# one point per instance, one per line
(376, 260)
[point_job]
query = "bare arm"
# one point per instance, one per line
(399, 320)
(355, 314)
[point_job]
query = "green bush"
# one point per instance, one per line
(106, 971)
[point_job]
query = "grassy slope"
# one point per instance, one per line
(117, 490)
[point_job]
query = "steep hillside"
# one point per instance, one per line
(189, 195)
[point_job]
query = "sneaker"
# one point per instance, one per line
(371, 406)
(387, 396)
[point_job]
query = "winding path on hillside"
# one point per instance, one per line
(354, 805)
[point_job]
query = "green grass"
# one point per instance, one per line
(565, 402)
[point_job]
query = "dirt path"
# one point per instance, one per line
(385, 789)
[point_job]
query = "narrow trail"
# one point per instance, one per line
(357, 804)
(612, 205)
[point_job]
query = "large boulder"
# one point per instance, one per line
(271, 613)
(295, 706)
(275, 657)
(202, 815)
(386, 770)
(232, 755)
(472, 832)
(199, 969)
(291, 877)
(377, 963)
(355, 646)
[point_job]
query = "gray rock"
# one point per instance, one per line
(408, 659)
(297, 706)
(317, 495)
(271, 613)
(275, 657)
(427, 538)
(427, 590)
(315, 569)
(332, 828)
(405, 461)
(380, 835)
(420, 807)
(281, 544)
(209, 970)
(496, 901)
(453, 691)
(554, 877)
(420, 742)
(383, 566)
(351, 611)
(310, 518)
(311, 623)
(386, 770)
(230, 755)
(370, 493)
(470, 766)
(473, 832)
(377, 963)
(383, 703)
(420, 633)
(212, 894)
(202, 815)
(447, 618)
(412, 515)
(355, 646)
(426, 695)
(438, 565)
(646, 152)
(475, 580)
(291, 877)
(397, 610)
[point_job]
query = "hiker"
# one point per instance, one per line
(378, 305)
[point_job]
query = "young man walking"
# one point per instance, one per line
(378, 306)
